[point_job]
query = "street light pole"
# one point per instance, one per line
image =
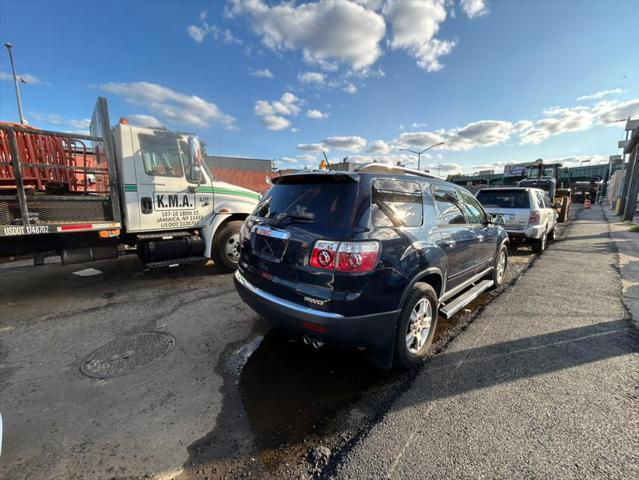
(8, 46)
(419, 154)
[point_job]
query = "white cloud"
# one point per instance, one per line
(274, 113)
(199, 32)
(474, 8)
(312, 147)
(144, 120)
(60, 121)
(307, 158)
(415, 24)
(473, 135)
(295, 130)
(170, 105)
(611, 112)
(288, 160)
(275, 122)
(311, 77)
(316, 114)
(263, 73)
(560, 120)
(346, 144)
(24, 77)
(288, 104)
(350, 88)
(325, 31)
(601, 94)
(419, 125)
(379, 146)
(196, 33)
(555, 121)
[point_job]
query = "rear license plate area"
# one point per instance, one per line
(269, 243)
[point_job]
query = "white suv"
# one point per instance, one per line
(527, 213)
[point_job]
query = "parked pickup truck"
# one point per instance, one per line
(527, 214)
(368, 258)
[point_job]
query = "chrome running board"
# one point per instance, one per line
(463, 286)
(450, 309)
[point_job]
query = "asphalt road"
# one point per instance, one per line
(232, 398)
(60, 423)
(542, 385)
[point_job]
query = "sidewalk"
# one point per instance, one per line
(542, 385)
(627, 244)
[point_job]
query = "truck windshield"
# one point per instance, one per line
(160, 155)
(320, 203)
(504, 198)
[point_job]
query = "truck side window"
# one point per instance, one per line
(474, 211)
(396, 202)
(448, 209)
(160, 155)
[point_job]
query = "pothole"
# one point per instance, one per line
(124, 354)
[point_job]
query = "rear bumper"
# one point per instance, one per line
(535, 231)
(373, 331)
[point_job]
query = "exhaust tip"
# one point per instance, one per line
(312, 342)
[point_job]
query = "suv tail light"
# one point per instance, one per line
(533, 219)
(345, 256)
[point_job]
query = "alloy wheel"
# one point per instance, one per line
(419, 324)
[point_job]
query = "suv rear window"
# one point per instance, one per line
(396, 203)
(321, 203)
(504, 198)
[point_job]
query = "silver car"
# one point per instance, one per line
(527, 213)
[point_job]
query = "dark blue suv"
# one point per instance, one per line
(368, 258)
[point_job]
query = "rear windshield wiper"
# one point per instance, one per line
(398, 222)
(285, 219)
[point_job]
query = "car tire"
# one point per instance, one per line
(226, 246)
(499, 267)
(418, 318)
(539, 244)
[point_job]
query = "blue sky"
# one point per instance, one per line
(497, 81)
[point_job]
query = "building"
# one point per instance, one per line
(251, 173)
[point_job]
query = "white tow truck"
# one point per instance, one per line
(82, 196)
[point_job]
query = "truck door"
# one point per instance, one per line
(170, 199)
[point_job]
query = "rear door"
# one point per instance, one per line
(456, 239)
(486, 233)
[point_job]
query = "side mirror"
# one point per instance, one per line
(195, 159)
(496, 219)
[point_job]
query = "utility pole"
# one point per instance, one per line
(419, 154)
(8, 46)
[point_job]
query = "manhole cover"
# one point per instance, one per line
(127, 353)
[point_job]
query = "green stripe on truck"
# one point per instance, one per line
(130, 188)
(228, 191)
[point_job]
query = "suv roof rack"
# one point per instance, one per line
(383, 168)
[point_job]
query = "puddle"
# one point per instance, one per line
(292, 393)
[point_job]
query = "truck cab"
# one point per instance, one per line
(168, 191)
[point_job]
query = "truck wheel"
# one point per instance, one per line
(539, 245)
(226, 246)
(416, 326)
(499, 270)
